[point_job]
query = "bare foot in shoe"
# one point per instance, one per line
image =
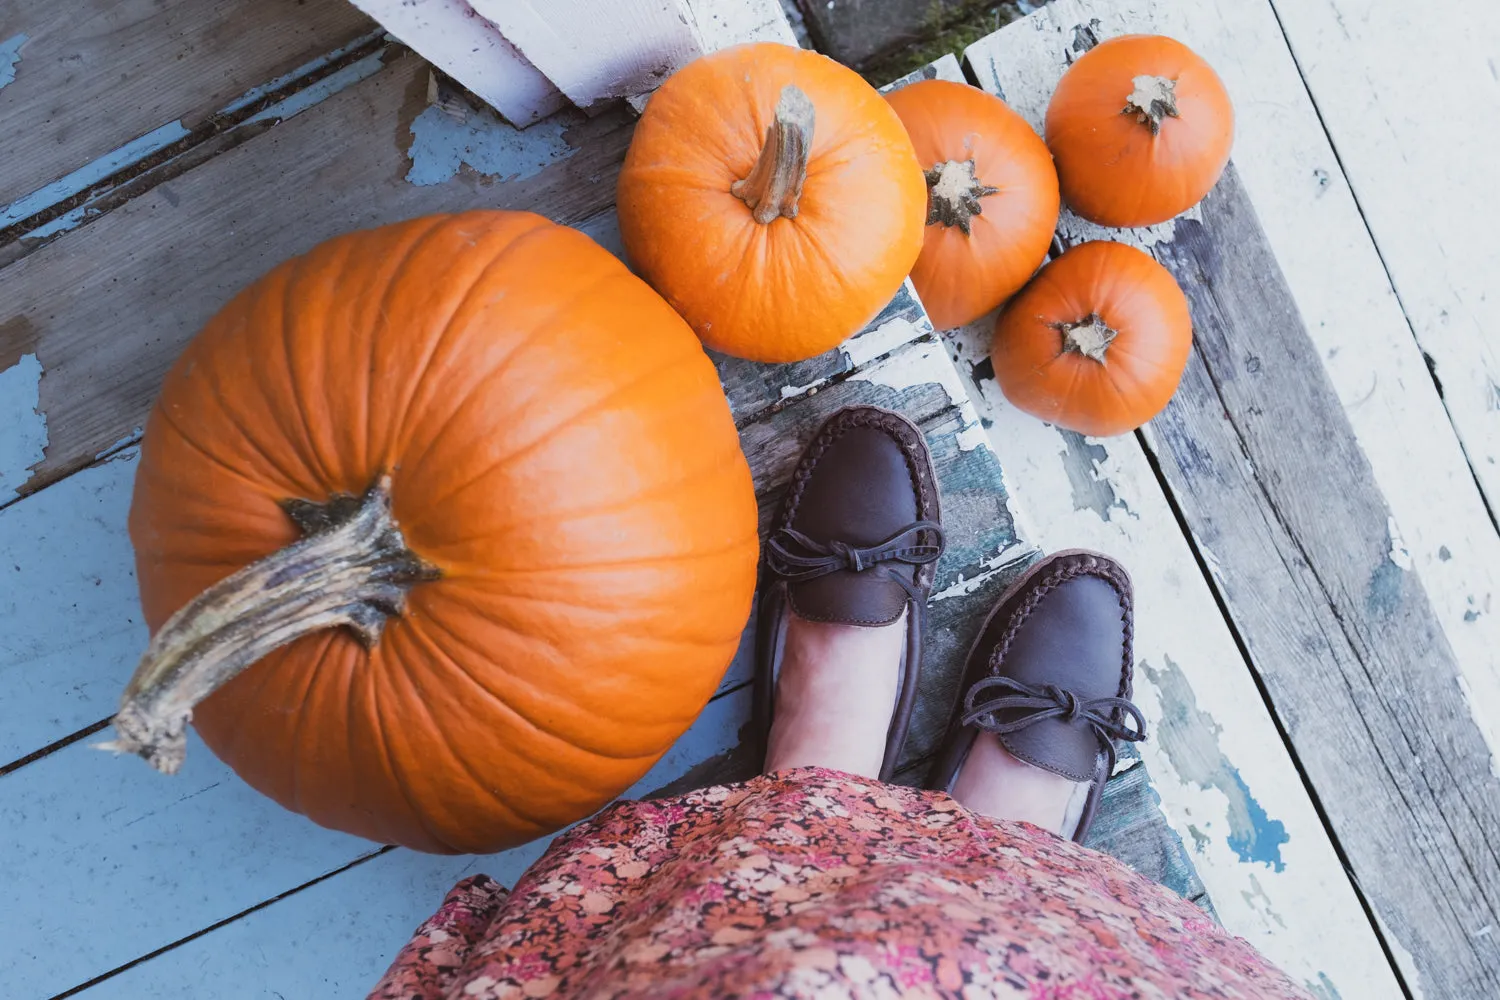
(849, 564)
(835, 696)
(1045, 694)
(994, 783)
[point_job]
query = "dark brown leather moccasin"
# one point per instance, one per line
(1050, 676)
(856, 544)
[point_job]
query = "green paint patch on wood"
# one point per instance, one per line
(1190, 738)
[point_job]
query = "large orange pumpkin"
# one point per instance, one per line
(992, 198)
(488, 431)
(1140, 127)
(773, 198)
(1097, 342)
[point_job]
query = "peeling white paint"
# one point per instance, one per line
(124, 441)
(790, 391)
(10, 58)
(22, 424)
(441, 144)
(999, 563)
(882, 340)
(1404, 960)
(1488, 725)
(1399, 554)
(972, 436)
(1215, 568)
(914, 368)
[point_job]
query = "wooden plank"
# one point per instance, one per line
(70, 622)
(89, 76)
(106, 308)
(1342, 290)
(723, 23)
(1217, 759)
(1399, 131)
(596, 50)
(470, 49)
(1441, 527)
(1361, 675)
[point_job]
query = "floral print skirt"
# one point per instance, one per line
(814, 883)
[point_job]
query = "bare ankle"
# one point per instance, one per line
(994, 783)
(835, 696)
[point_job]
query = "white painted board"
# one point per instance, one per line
(468, 48)
(595, 50)
(1410, 97)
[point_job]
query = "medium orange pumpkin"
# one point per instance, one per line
(773, 198)
(992, 198)
(1140, 127)
(486, 430)
(1097, 342)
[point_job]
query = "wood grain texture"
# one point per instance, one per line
(1226, 780)
(108, 307)
(595, 50)
(1359, 670)
(1410, 98)
(1339, 281)
(722, 23)
(470, 49)
(94, 74)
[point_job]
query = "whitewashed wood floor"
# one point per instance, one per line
(1368, 140)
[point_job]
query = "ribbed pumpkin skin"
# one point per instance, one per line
(1112, 169)
(1133, 295)
(559, 448)
(959, 276)
(795, 287)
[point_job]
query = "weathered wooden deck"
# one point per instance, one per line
(1310, 524)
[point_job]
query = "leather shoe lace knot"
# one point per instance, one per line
(795, 557)
(1015, 705)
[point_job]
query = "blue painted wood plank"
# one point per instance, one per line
(70, 625)
(168, 857)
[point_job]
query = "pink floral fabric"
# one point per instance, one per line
(813, 883)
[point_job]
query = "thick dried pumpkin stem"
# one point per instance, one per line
(953, 194)
(1090, 336)
(1153, 100)
(775, 182)
(352, 568)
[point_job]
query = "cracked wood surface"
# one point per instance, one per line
(93, 75)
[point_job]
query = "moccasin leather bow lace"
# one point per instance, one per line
(795, 557)
(1026, 705)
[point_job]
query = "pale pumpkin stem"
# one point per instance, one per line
(774, 184)
(351, 568)
(953, 194)
(1090, 336)
(1153, 100)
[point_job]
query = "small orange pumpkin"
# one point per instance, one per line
(506, 468)
(1097, 342)
(773, 198)
(1140, 127)
(992, 198)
